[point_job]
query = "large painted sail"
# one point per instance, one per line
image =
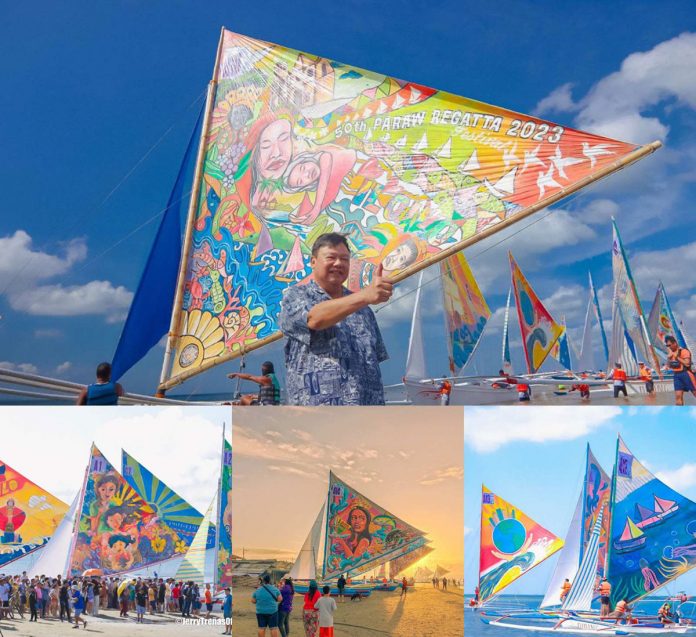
(386, 557)
(398, 565)
(466, 311)
(305, 565)
(117, 531)
(661, 321)
(359, 531)
(511, 544)
(586, 362)
(623, 349)
(179, 515)
(29, 515)
(653, 537)
(596, 497)
(539, 331)
(561, 349)
(506, 360)
(626, 296)
(192, 567)
(415, 358)
(224, 521)
(598, 315)
(296, 145)
(568, 559)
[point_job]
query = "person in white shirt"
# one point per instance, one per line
(326, 606)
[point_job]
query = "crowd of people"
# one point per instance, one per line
(73, 599)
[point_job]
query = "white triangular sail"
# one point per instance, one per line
(507, 362)
(305, 566)
(415, 361)
(192, 567)
(583, 584)
(569, 558)
(53, 559)
(621, 349)
(587, 361)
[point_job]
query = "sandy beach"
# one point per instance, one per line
(426, 612)
(109, 623)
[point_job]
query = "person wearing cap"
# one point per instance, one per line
(679, 362)
(618, 375)
(645, 374)
(78, 606)
(334, 346)
(269, 387)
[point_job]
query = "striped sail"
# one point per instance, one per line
(583, 586)
(192, 567)
(507, 361)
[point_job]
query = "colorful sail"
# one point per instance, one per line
(466, 311)
(179, 515)
(623, 349)
(359, 531)
(224, 521)
(596, 497)
(117, 530)
(506, 360)
(626, 296)
(561, 349)
(661, 321)
(511, 544)
(29, 515)
(539, 331)
(192, 567)
(598, 315)
(653, 537)
(584, 583)
(389, 555)
(398, 565)
(297, 145)
(305, 565)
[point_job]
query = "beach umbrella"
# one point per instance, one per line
(91, 572)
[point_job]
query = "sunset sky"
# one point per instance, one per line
(401, 458)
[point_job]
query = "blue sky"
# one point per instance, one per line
(100, 100)
(530, 459)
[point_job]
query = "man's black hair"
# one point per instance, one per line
(104, 371)
(331, 240)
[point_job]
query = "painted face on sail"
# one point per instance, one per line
(304, 174)
(275, 149)
(358, 520)
(106, 491)
(114, 521)
(400, 257)
(331, 265)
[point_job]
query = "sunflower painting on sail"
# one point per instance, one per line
(298, 145)
(117, 530)
(224, 548)
(360, 532)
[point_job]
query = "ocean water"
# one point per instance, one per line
(474, 627)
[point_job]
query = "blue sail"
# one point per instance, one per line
(150, 312)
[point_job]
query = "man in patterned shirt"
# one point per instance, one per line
(334, 346)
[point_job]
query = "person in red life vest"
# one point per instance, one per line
(524, 392)
(605, 598)
(623, 611)
(584, 390)
(445, 390)
(565, 589)
(618, 375)
(645, 374)
(679, 361)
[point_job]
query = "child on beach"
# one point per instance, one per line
(326, 606)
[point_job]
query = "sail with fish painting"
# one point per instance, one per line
(295, 145)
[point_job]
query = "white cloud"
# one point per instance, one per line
(649, 269)
(618, 104)
(679, 479)
(28, 368)
(63, 367)
(23, 269)
(487, 430)
(95, 297)
(440, 475)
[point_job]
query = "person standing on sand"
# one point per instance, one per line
(404, 587)
(104, 391)
(310, 615)
(618, 375)
(288, 593)
(334, 346)
(679, 361)
(266, 598)
(341, 584)
(326, 606)
(227, 611)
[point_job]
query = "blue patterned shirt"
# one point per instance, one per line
(335, 366)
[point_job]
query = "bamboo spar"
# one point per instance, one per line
(629, 159)
(188, 233)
